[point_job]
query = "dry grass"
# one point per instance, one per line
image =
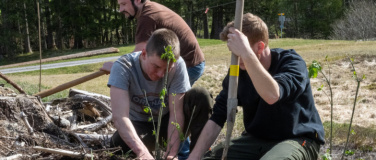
(344, 88)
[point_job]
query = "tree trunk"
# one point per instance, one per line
(4, 28)
(206, 27)
(27, 44)
(59, 32)
(217, 24)
(194, 23)
(47, 13)
(21, 41)
(189, 13)
(124, 30)
(116, 26)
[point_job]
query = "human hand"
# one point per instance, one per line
(145, 156)
(238, 43)
(192, 157)
(107, 67)
(172, 158)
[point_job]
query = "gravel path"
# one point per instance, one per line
(57, 65)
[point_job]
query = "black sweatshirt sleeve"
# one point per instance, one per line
(220, 107)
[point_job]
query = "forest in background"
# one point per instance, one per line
(77, 24)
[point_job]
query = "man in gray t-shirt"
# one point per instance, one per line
(129, 77)
(136, 81)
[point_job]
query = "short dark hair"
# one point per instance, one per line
(142, 1)
(160, 39)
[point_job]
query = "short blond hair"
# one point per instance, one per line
(253, 27)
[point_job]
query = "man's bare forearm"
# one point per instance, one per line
(120, 117)
(173, 137)
(176, 116)
(129, 135)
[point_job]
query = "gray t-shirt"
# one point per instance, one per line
(126, 74)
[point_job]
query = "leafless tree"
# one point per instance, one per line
(358, 22)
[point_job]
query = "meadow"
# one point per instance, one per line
(363, 139)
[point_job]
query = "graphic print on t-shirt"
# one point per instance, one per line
(153, 101)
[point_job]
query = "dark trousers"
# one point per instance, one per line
(197, 110)
(252, 148)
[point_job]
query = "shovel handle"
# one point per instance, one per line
(233, 81)
(67, 85)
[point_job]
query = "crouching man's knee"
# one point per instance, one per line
(198, 104)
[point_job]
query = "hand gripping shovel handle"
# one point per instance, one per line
(232, 101)
(67, 85)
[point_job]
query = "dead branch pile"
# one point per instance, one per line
(78, 126)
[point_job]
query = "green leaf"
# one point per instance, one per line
(349, 152)
(320, 88)
(153, 132)
(164, 143)
(162, 93)
(181, 136)
(314, 68)
(150, 119)
(364, 77)
(146, 109)
(353, 132)
(168, 55)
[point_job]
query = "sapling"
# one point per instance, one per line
(358, 80)
(314, 68)
(169, 57)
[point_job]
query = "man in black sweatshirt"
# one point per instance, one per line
(280, 117)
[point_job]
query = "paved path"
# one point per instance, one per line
(57, 65)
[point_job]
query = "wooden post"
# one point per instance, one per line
(232, 101)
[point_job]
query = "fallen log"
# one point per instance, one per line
(64, 152)
(108, 149)
(101, 97)
(95, 126)
(83, 144)
(16, 156)
(106, 110)
(94, 137)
